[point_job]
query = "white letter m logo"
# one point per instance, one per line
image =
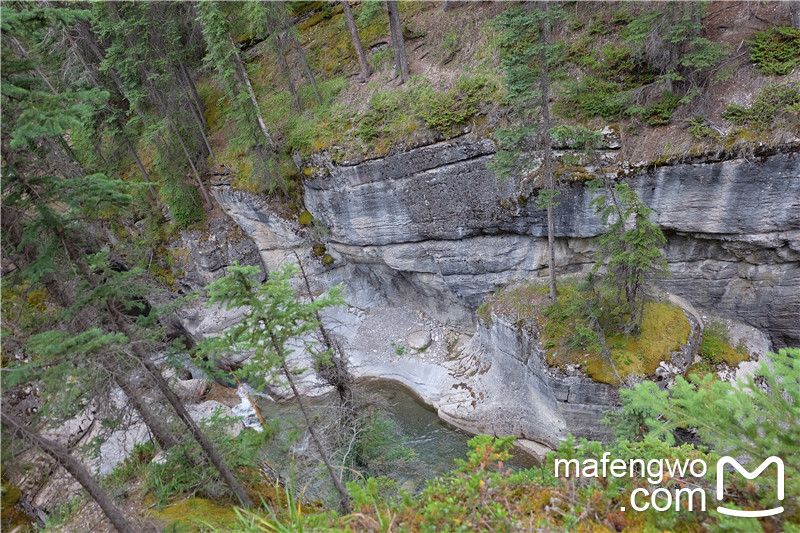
(739, 468)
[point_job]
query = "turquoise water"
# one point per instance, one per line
(435, 443)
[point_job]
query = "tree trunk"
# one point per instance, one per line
(396, 30)
(304, 61)
(544, 40)
(54, 286)
(158, 428)
(139, 164)
(194, 105)
(344, 497)
(201, 106)
(362, 58)
(209, 450)
(206, 197)
(281, 49)
(119, 322)
(245, 79)
(76, 470)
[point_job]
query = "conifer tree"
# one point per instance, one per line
(630, 251)
(226, 59)
(756, 418)
(527, 63)
(398, 43)
(57, 210)
(274, 316)
(364, 69)
(62, 456)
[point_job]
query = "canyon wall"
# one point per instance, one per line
(439, 221)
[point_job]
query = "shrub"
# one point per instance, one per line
(772, 101)
(776, 50)
(659, 112)
(183, 202)
(448, 110)
(596, 97)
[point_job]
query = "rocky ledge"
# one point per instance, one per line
(435, 226)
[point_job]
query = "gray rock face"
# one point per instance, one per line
(272, 235)
(436, 221)
(207, 254)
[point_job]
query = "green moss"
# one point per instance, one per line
(484, 313)
(319, 249)
(305, 218)
(664, 329)
(716, 347)
(193, 513)
(568, 339)
(327, 259)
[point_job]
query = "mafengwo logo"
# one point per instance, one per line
(749, 475)
(663, 498)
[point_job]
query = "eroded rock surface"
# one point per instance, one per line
(441, 224)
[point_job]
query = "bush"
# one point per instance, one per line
(776, 50)
(770, 103)
(183, 201)
(596, 97)
(446, 111)
(659, 112)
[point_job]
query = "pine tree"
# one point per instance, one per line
(398, 43)
(527, 63)
(274, 316)
(364, 69)
(226, 59)
(62, 456)
(630, 251)
(55, 210)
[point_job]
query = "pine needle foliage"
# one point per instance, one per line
(757, 418)
(275, 315)
(630, 251)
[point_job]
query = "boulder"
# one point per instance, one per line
(419, 340)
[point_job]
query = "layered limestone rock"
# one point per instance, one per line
(438, 219)
(432, 229)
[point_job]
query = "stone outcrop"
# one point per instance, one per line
(436, 221)
(206, 254)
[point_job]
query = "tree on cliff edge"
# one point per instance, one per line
(527, 63)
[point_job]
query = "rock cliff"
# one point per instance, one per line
(433, 230)
(439, 221)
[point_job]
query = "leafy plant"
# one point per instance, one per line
(698, 128)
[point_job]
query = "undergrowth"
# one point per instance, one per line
(716, 346)
(776, 50)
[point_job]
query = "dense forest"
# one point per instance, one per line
(125, 123)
